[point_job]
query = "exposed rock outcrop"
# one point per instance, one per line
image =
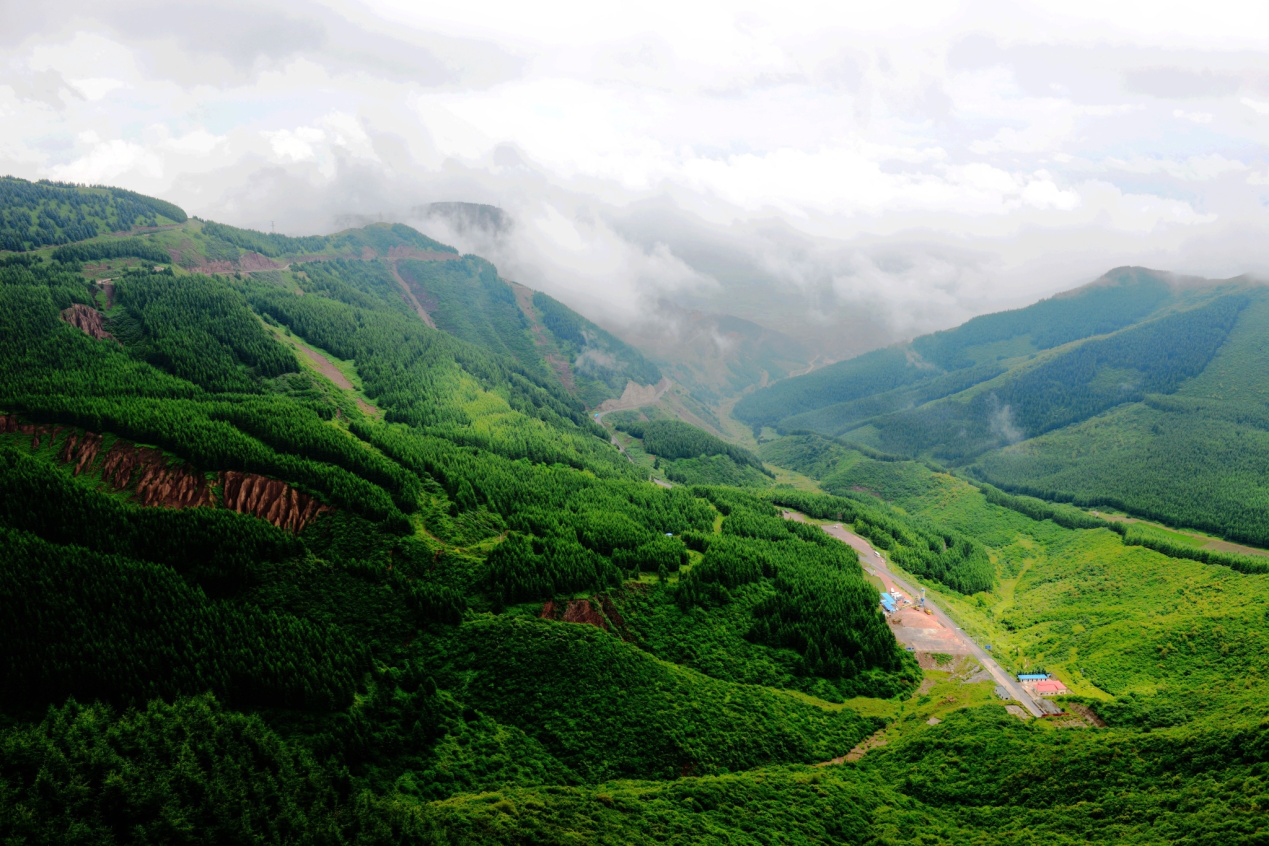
(11, 425)
(598, 611)
(88, 320)
(269, 499)
(157, 480)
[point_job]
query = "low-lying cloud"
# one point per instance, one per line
(856, 178)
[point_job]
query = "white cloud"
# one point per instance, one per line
(1193, 117)
(924, 161)
(108, 161)
(1258, 106)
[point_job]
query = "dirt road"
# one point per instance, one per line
(874, 562)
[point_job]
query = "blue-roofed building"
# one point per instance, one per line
(1032, 676)
(887, 604)
(886, 597)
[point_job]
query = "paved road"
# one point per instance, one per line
(875, 562)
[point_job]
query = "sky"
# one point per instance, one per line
(862, 173)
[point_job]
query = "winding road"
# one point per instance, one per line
(873, 560)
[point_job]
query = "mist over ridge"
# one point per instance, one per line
(858, 177)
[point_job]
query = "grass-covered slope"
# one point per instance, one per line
(1082, 597)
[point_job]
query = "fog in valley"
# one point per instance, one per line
(848, 176)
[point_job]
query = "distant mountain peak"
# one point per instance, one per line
(467, 217)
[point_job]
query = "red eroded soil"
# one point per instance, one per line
(269, 499)
(599, 611)
(10, 425)
(400, 252)
(581, 611)
(610, 611)
(156, 480)
(255, 261)
(145, 470)
(576, 611)
(88, 320)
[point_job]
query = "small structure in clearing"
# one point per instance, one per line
(1050, 687)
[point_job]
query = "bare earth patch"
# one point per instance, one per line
(634, 396)
(874, 741)
(409, 295)
(558, 363)
(333, 373)
(88, 320)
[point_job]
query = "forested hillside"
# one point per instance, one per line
(317, 540)
(1141, 392)
(268, 505)
(38, 214)
(691, 456)
(837, 398)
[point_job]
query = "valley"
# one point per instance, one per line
(326, 539)
(931, 632)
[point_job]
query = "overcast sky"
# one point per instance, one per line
(917, 163)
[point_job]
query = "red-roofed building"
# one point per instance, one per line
(1050, 687)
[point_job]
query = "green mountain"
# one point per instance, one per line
(39, 214)
(1140, 392)
(254, 489)
(316, 540)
